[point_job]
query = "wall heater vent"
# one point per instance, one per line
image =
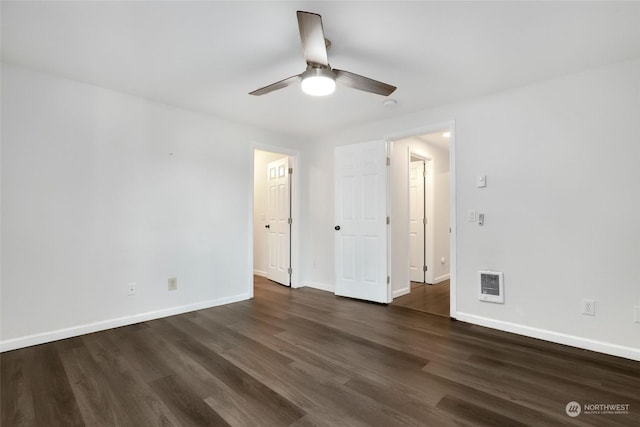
(491, 286)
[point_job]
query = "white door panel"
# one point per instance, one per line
(278, 220)
(360, 214)
(416, 221)
(429, 219)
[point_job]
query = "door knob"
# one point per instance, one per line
(337, 227)
(267, 226)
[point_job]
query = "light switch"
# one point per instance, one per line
(481, 219)
(472, 215)
(482, 181)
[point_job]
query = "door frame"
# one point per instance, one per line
(294, 156)
(434, 127)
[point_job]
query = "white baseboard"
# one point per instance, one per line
(320, 286)
(399, 292)
(45, 337)
(259, 273)
(441, 278)
(556, 337)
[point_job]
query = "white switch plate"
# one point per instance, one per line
(637, 313)
(482, 181)
(472, 215)
(131, 289)
(173, 284)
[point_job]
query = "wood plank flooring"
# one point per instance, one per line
(308, 358)
(432, 299)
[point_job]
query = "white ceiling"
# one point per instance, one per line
(207, 56)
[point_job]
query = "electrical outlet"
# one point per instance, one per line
(636, 310)
(173, 283)
(132, 289)
(588, 307)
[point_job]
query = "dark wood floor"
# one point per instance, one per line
(433, 299)
(306, 357)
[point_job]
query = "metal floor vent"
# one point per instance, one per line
(491, 286)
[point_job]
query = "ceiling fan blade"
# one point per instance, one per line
(312, 36)
(366, 84)
(275, 86)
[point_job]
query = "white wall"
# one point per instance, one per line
(317, 216)
(442, 214)
(100, 189)
(562, 205)
(399, 215)
(399, 175)
(92, 199)
(260, 199)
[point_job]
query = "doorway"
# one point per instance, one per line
(273, 216)
(420, 196)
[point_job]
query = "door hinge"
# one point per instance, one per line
(290, 171)
(424, 221)
(290, 271)
(388, 280)
(388, 161)
(388, 220)
(425, 268)
(290, 220)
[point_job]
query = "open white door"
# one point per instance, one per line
(417, 219)
(278, 217)
(361, 221)
(428, 201)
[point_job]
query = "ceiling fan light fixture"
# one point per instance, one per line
(318, 82)
(319, 79)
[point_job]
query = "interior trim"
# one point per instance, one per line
(556, 337)
(74, 331)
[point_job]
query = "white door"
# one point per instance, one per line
(428, 221)
(417, 221)
(361, 221)
(278, 224)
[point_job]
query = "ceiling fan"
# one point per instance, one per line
(319, 79)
